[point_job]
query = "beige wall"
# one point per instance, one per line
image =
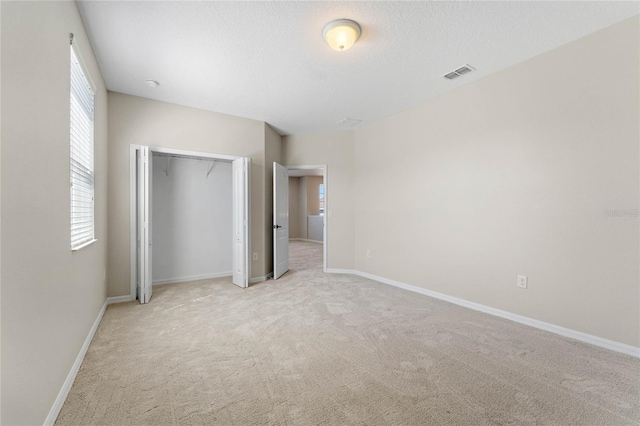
(50, 296)
(336, 149)
(295, 212)
(273, 152)
(302, 207)
(303, 201)
(513, 174)
(313, 194)
(135, 120)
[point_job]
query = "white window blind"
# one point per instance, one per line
(82, 176)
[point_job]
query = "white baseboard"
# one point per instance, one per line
(66, 386)
(340, 271)
(119, 299)
(562, 331)
(261, 279)
(193, 278)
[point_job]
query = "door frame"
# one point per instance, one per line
(133, 195)
(327, 212)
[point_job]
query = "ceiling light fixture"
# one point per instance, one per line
(341, 34)
(152, 83)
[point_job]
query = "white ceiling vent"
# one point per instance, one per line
(349, 122)
(465, 69)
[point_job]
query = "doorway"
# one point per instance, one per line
(300, 210)
(142, 162)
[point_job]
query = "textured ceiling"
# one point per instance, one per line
(268, 61)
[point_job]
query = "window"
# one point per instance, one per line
(82, 176)
(321, 195)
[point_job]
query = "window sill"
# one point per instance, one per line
(88, 243)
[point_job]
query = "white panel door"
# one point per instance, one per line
(240, 170)
(280, 220)
(144, 224)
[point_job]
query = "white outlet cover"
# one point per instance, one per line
(522, 281)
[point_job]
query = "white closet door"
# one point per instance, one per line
(144, 224)
(241, 222)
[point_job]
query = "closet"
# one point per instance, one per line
(192, 226)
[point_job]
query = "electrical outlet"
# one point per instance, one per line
(368, 253)
(255, 256)
(522, 281)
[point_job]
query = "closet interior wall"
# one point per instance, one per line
(192, 219)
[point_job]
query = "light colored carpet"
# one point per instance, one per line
(316, 349)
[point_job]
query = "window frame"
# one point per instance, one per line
(321, 198)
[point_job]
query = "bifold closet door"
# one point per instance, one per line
(144, 224)
(240, 170)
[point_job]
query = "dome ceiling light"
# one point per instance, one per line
(341, 34)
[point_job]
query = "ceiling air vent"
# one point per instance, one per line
(465, 69)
